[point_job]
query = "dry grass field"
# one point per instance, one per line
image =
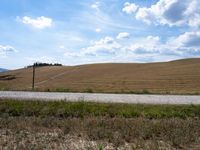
(175, 77)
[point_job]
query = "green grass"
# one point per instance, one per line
(84, 109)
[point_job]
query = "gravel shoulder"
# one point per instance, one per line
(104, 98)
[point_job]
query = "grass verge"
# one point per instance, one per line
(81, 125)
(85, 109)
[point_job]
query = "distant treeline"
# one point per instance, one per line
(44, 64)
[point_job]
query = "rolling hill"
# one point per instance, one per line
(175, 77)
(3, 70)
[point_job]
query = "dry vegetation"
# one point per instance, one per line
(176, 77)
(61, 125)
(98, 132)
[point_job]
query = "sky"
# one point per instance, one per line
(73, 32)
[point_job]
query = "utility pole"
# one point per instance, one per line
(33, 81)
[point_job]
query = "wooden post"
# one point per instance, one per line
(33, 81)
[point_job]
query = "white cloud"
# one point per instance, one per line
(123, 35)
(193, 11)
(6, 49)
(145, 15)
(172, 13)
(39, 22)
(106, 40)
(188, 44)
(188, 39)
(195, 21)
(96, 5)
(106, 45)
(129, 8)
(144, 49)
(98, 30)
(149, 44)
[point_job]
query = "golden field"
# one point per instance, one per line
(175, 77)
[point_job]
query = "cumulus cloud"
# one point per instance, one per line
(106, 45)
(149, 44)
(171, 12)
(149, 48)
(106, 40)
(6, 49)
(187, 44)
(188, 39)
(39, 22)
(129, 8)
(123, 35)
(145, 15)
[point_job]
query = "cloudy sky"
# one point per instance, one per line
(75, 32)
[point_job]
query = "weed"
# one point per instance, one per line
(62, 90)
(88, 90)
(100, 147)
(145, 91)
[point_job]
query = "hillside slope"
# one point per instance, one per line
(3, 70)
(180, 77)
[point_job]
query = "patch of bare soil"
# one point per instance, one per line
(55, 139)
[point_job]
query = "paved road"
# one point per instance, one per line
(110, 98)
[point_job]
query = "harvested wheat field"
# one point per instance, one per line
(175, 77)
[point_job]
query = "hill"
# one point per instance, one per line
(175, 77)
(3, 70)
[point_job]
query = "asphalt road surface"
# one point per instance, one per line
(108, 98)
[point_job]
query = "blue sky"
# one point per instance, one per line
(95, 31)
